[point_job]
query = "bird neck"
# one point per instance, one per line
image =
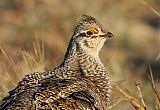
(77, 59)
(71, 59)
(76, 52)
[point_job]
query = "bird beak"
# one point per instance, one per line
(109, 34)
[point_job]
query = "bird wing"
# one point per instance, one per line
(68, 94)
(55, 94)
(25, 87)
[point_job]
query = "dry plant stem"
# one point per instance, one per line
(150, 7)
(39, 49)
(139, 93)
(154, 86)
(10, 61)
(137, 105)
(5, 55)
(115, 102)
(26, 61)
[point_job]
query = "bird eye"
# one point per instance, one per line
(89, 33)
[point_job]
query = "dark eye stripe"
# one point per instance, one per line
(94, 36)
(83, 34)
(103, 35)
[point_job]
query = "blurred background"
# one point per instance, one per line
(34, 35)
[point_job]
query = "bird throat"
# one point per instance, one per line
(77, 51)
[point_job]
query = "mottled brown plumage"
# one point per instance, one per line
(81, 82)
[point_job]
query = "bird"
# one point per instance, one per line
(80, 82)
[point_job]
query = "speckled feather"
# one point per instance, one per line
(81, 82)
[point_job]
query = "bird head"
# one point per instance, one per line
(90, 35)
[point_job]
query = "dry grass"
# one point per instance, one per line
(138, 102)
(34, 37)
